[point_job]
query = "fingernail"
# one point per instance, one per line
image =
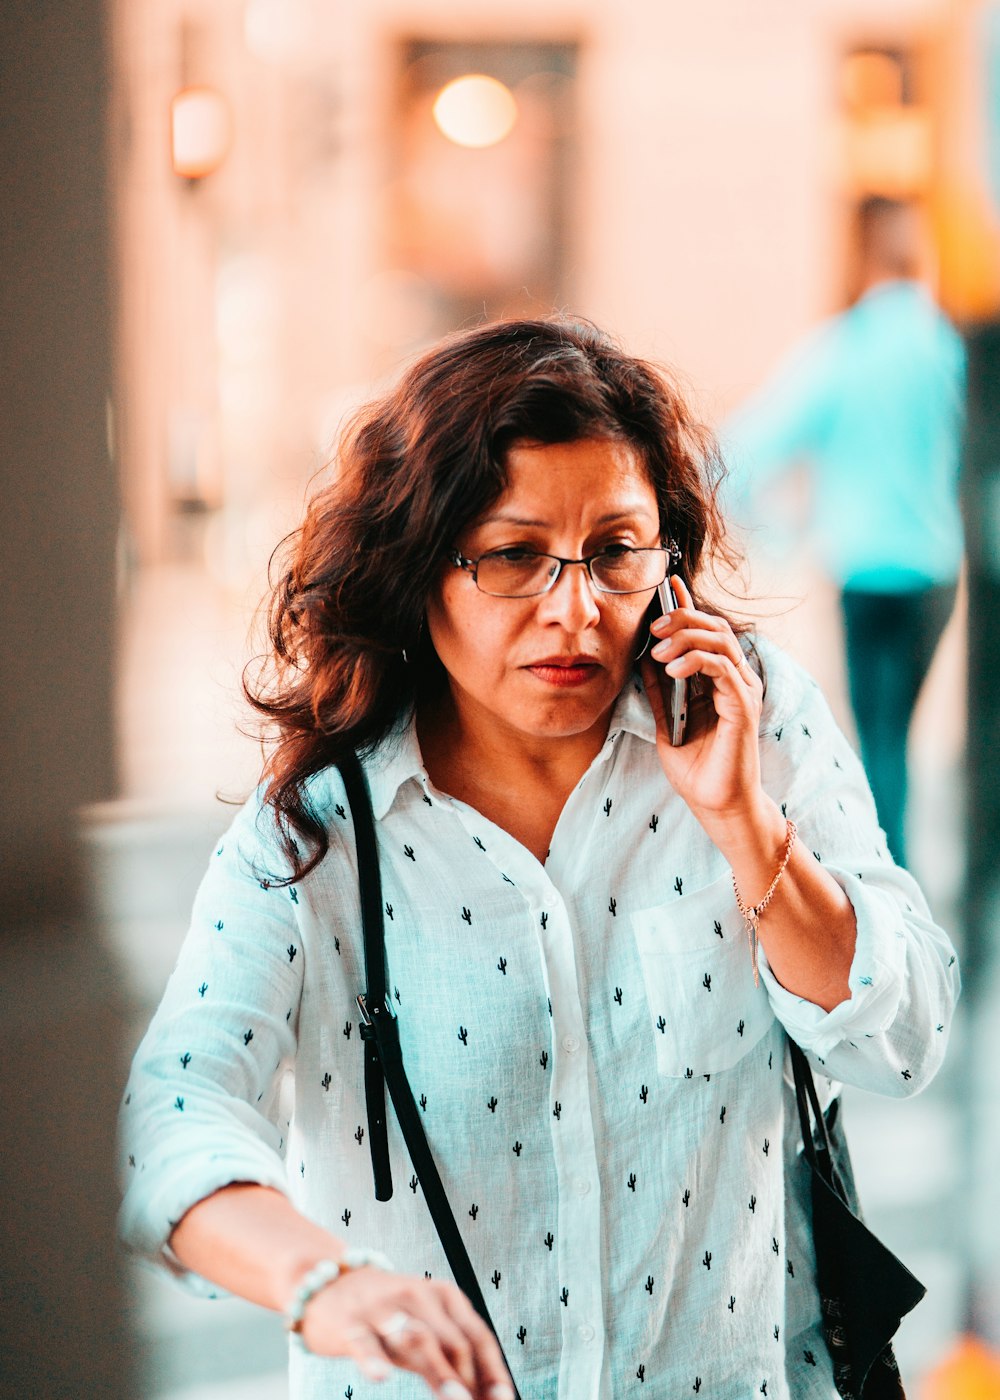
(661, 650)
(672, 666)
(373, 1368)
(501, 1392)
(454, 1390)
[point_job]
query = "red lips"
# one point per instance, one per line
(564, 670)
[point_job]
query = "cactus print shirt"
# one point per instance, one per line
(603, 1087)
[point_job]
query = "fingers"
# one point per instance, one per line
(491, 1372)
(445, 1356)
(686, 614)
(682, 593)
(686, 630)
(701, 641)
(726, 676)
(419, 1346)
(432, 1330)
(436, 1347)
(365, 1349)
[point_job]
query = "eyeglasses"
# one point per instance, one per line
(522, 573)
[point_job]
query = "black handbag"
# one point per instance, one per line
(865, 1291)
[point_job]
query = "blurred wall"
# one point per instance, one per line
(61, 1322)
(712, 158)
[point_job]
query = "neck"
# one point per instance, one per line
(471, 755)
(879, 278)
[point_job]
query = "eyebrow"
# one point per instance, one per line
(502, 518)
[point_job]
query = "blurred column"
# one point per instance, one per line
(61, 1331)
(980, 965)
(982, 524)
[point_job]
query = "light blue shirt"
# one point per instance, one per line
(871, 402)
(603, 1086)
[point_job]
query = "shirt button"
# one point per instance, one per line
(585, 1332)
(570, 1044)
(582, 1186)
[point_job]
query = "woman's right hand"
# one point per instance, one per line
(252, 1241)
(382, 1320)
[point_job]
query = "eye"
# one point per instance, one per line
(616, 551)
(516, 554)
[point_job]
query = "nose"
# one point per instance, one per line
(572, 600)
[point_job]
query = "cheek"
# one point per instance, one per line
(630, 625)
(643, 617)
(464, 635)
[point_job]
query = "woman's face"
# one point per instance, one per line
(550, 667)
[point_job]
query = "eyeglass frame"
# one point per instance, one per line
(471, 566)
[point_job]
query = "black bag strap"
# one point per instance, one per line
(806, 1097)
(375, 1010)
(816, 1144)
(384, 1059)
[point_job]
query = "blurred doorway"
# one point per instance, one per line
(478, 212)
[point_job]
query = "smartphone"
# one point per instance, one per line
(675, 688)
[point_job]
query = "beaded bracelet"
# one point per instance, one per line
(325, 1272)
(752, 912)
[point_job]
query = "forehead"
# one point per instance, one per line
(592, 477)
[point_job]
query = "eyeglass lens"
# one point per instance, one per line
(521, 575)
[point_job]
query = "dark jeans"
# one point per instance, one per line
(891, 638)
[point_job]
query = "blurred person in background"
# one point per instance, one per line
(596, 1041)
(871, 405)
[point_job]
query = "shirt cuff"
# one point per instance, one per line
(877, 977)
(146, 1222)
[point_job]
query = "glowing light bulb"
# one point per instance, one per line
(475, 110)
(200, 132)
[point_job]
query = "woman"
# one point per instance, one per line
(596, 1045)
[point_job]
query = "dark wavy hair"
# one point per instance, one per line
(414, 468)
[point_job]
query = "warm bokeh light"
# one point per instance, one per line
(201, 132)
(970, 1372)
(889, 152)
(886, 138)
(870, 78)
(475, 110)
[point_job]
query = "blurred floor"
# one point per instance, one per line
(184, 642)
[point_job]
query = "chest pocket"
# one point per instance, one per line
(705, 1011)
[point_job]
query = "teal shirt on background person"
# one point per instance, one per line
(872, 403)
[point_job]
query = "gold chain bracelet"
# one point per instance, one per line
(752, 912)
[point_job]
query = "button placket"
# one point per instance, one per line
(575, 1151)
(573, 1129)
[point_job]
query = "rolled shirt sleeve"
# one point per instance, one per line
(889, 1035)
(203, 1104)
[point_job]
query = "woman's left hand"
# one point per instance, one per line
(717, 769)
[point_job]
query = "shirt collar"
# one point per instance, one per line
(398, 758)
(632, 713)
(395, 761)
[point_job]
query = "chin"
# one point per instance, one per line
(565, 721)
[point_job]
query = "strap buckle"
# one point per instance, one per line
(369, 1025)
